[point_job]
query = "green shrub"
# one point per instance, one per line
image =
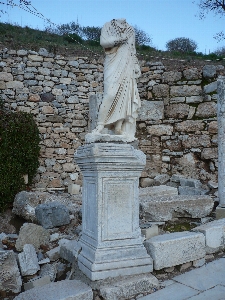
(19, 151)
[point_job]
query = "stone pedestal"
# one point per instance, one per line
(221, 141)
(111, 238)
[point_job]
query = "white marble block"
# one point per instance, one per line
(28, 260)
(176, 248)
(111, 238)
(214, 233)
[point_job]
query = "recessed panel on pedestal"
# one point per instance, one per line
(118, 208)
(90, 207)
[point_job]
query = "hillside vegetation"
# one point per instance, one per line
(17, 37)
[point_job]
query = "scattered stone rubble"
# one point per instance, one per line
(163, 203)
(47, 257)
(25, 203)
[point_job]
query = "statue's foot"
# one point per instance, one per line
(119, 131)
(98, 129)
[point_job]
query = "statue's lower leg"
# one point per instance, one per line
(118, 127)
(99, 128)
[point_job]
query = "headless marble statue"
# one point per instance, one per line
(118, 110)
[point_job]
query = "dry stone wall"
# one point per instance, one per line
(176, 128)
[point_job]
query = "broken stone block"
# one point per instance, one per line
(37, 282)
(175, 178)
(162, 179)
(25, 202)
(214, 233)
(69, 249)
(185, 190)
(61, 290)
(166, 208)
(52, 214)
(145, 182)
(53, 254)
(176, 248)
(194, 183)
(48, 270)
(32, 234)
(94, 103)
(28, 261)
(162, 190)
(128, 286)
(10, 279)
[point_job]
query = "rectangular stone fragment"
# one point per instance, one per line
(69, 249)
(128, 287)
(167, 207)
(53, 254)
(94, 103)
(61, 290)
(28, 260)
(214, 233)
(161, 190)
(177, 248)
(10, 279)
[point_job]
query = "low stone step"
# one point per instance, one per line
(61, 290)
(165, 208)
(176, 248)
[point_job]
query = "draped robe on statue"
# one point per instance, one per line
(121, 98)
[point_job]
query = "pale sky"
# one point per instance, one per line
(163, 20)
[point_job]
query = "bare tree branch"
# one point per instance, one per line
(215, 6)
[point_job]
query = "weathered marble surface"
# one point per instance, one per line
(62, 290)
(28, 260)
(176, 248)
(111, 238)
(164, 208)
(121, 100)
